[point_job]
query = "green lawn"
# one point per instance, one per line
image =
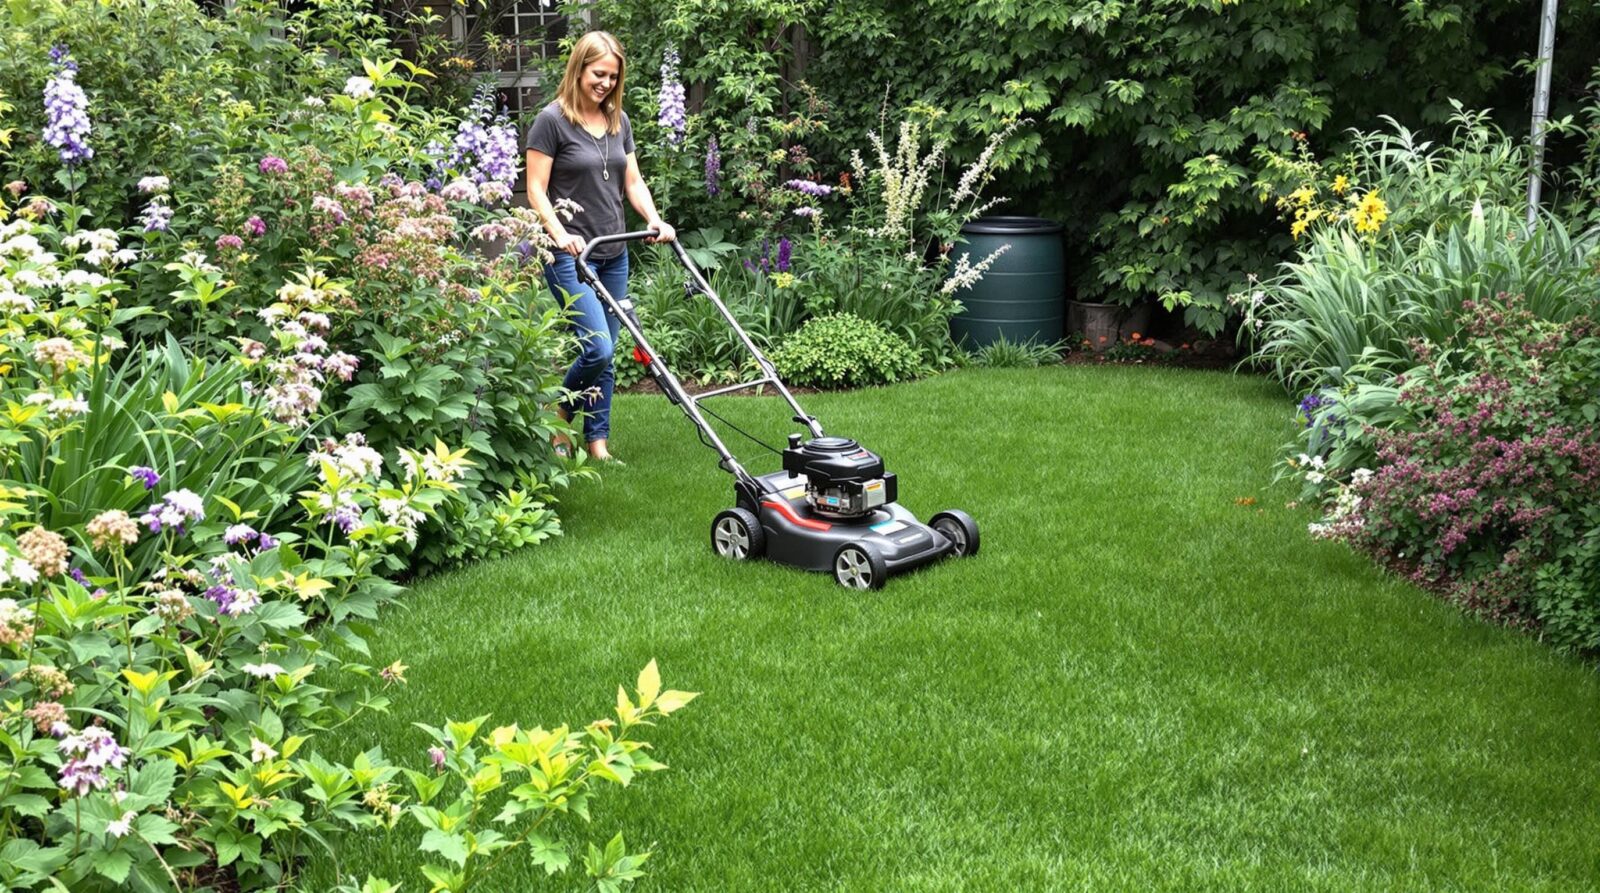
(1138, 684)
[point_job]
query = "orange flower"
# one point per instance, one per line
(1134, 336)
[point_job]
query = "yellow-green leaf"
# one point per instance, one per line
(672, 700)
(649, 685)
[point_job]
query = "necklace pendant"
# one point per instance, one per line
(605, 175)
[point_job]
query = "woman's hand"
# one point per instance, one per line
(664, 232)
(572, 244)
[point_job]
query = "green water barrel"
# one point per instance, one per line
(1023, 295)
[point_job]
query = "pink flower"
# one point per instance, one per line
(229, 242)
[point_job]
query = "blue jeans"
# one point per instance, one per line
(591, 377)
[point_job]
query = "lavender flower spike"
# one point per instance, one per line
(673, 116)
(66, 110)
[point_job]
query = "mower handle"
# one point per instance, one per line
(583, 257)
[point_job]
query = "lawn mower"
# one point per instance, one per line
(832, 507)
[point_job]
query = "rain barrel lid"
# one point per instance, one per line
(1012, 226)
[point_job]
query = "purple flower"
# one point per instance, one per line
(66, 110)
(229, 242)
(785, 248)
(348, 517)
(485, 145)
(433, 184)
(817, 190)
(78, 575)
(713, 167)
(255, 227)
(1312, 403)
(157, 218)
(807, 212)
(146, 475)
(672, 116)
(437, 755)
(89, 753)
(272, 164)
(174, 510)
(266, 541)
(239, 533)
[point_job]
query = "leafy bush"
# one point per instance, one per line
(1487, 481)
(840, 350)
(562, 768)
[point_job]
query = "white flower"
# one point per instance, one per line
(83, 278)
(156, 185)
(120, 827)
(260, 750)
(313, 102)
(1315, 477)
(359, 88)
(262, 671)
(12, 301)
(66, 407)
(23, 571)
(1360, 476)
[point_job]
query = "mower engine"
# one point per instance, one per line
(843, 479)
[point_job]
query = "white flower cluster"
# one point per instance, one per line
(359, 88)
(966, 274)
(399, 513)
(1344, 518)
(351, 459)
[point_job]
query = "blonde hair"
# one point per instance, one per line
(591, 48)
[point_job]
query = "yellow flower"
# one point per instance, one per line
(1298, 229)
(1340, 184)
(782, 280)
(1303, 195)
(1370, 213)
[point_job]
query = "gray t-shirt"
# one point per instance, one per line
(589, 170)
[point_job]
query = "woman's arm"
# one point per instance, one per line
(639, 196)
(539, 197)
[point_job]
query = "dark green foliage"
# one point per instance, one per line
(842, 350)
(1146, 116)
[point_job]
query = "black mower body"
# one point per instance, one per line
(798, 535)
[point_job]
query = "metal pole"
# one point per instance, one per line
(1541, 103)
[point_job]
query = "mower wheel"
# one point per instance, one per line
(958, 527)
(859, 566)
(737, 534)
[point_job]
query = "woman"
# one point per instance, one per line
(580, 148)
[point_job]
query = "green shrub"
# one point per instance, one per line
(840, 350)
